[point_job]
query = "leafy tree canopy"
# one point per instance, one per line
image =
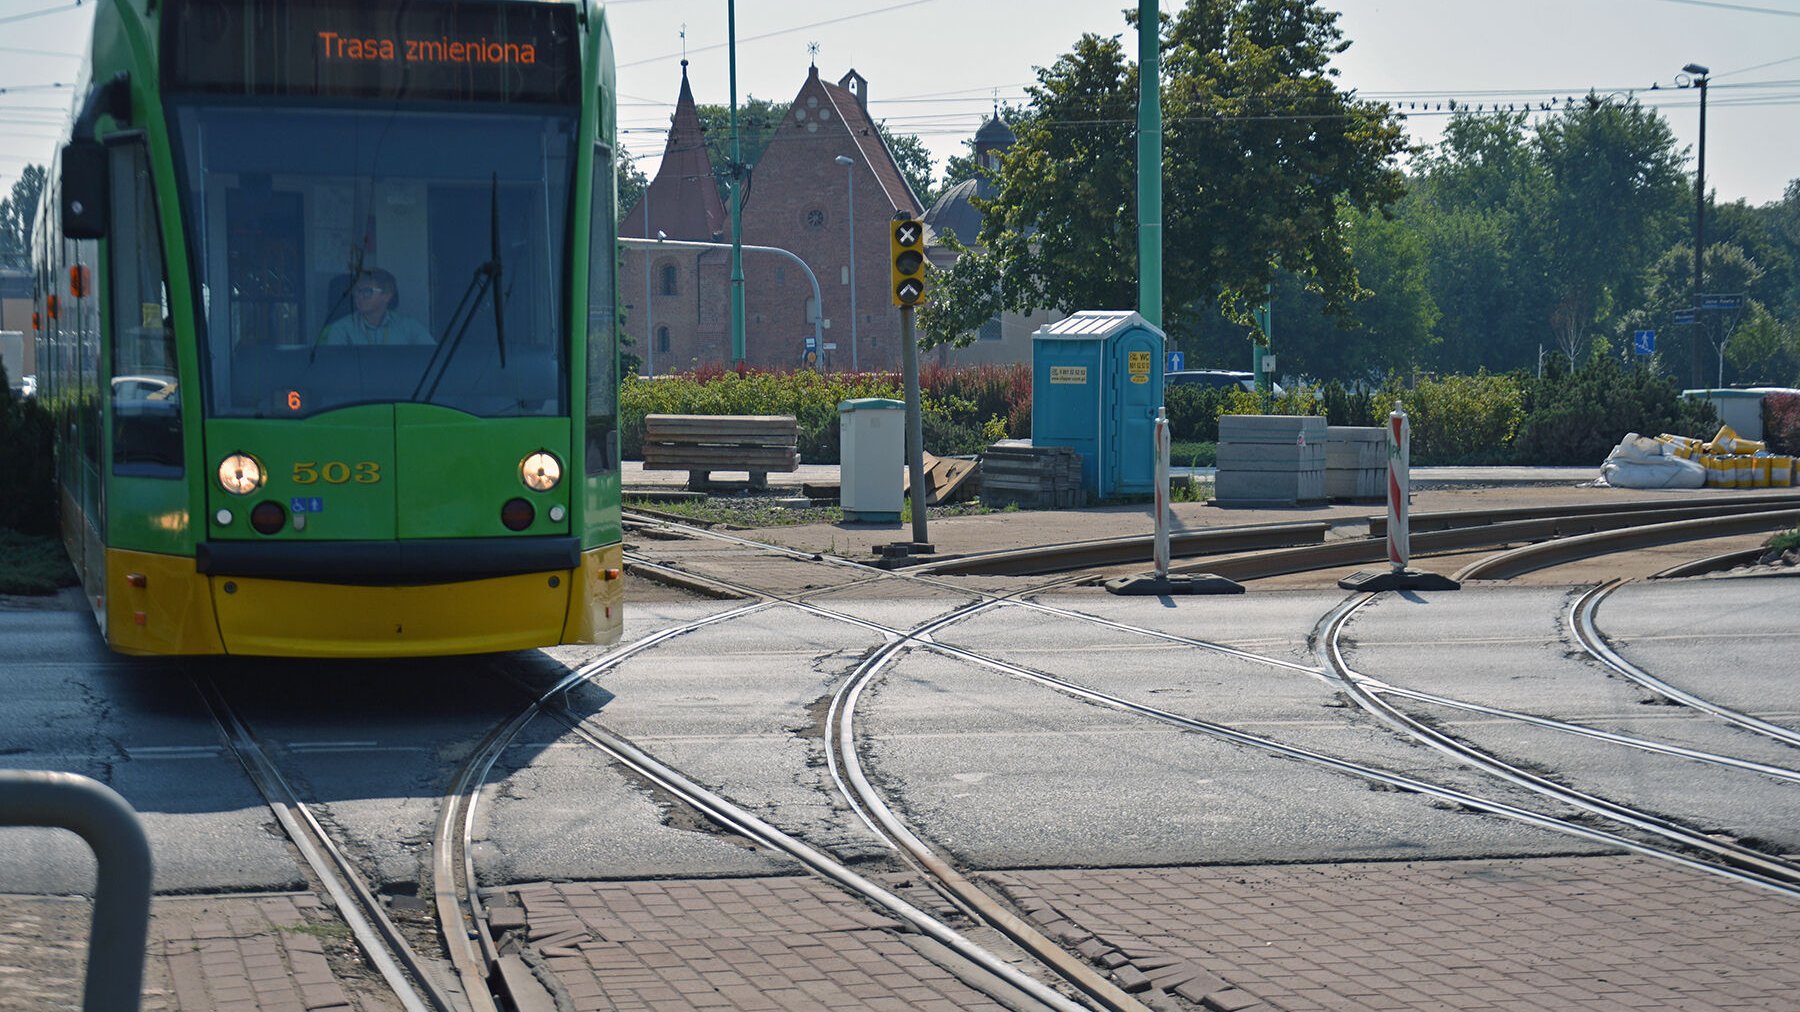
(17, 211)
(1262, 152)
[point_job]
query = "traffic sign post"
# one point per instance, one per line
(1175, 362)
(1643, 342)
(1685, 317)
(906, 249)
(1722, 303)
(906, 258)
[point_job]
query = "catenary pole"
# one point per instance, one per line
(737, 201)
(1149, 126)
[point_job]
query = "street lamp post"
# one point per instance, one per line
(1697, 360)
(849, 165)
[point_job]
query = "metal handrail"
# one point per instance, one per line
(109, 825)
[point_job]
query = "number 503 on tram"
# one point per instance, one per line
(326, 316)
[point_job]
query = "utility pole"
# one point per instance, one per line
(737, 202)
(1149, 186)
(1698, 360)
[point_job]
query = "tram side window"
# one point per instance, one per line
(146, 394)
(602, 323)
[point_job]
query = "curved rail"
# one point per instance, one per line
(1587, 633)
(1710, 564)
(1764, 868)
(377, 935)
(1732, 860)
(1531, 558)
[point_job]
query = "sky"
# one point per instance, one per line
(935, 67)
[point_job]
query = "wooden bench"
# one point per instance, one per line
(702, 444)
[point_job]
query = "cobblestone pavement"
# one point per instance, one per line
(775, 944)
(1556, 933)
(280, 953)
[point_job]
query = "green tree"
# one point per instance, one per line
(17, 211)
(1259, 143)
(1390, 331)
(1616, 201)
(631, 182)
(1668, 286)
(913, 158)
(758, 119)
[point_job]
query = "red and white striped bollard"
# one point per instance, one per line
(1398, 490)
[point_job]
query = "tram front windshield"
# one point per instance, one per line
(354, 256)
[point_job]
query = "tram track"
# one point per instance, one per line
(1641, 832)
(1368, 693)
(1671, 841)
(1586, 630)
(382, 942)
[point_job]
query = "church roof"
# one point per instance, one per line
(683, 199)
(869, 145)
(995, 133)
(954, 213)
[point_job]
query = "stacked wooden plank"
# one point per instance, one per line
(1034, 477)
(702, 444)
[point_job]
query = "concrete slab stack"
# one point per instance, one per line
(1355, 462)
(1270, 460)
(1035, 477)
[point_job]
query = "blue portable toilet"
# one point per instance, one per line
(1096, 382)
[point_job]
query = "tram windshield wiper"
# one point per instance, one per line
(485, 279)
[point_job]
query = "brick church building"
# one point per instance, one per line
(798, 199)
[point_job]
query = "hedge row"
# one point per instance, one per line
(1567, 416)
(964, 410)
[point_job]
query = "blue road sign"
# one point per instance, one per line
(1643, 342)
(1684, 315)
(1176, 361)
(1725, 302)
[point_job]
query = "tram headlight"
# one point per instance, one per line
(540, 471)
(240, 474)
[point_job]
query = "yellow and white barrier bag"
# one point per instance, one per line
(1728, 441)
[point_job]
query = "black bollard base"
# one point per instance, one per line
(1398, 579)
(1151, 585)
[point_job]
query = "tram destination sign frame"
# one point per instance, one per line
(459, 51)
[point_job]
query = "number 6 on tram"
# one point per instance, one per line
(327, 320)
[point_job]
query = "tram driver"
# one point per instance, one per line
(373, 295)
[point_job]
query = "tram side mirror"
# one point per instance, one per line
(85, 185)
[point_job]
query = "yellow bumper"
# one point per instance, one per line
(180, 611)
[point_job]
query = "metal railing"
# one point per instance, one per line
(110, 827)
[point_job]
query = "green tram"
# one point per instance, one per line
(326, 314)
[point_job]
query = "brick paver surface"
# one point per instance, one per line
(230, 953)
(773, 944)
(1560, 933)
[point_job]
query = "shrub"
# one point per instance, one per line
(1194, 412)
(1456, 419)
(1781, 423)
(963, 410)
(1349, 407)
(1578, 416)
(29, 503)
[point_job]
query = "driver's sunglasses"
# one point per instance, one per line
(367, 290)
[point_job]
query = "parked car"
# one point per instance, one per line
(1217, 379)
(26, 386)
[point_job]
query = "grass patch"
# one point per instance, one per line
(327, 930)
(1786, 541)
(30, 564)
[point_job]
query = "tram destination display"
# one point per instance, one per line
(473, 52)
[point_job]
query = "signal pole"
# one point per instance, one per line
(1149, 183)
(737, 203)
(906, 249)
